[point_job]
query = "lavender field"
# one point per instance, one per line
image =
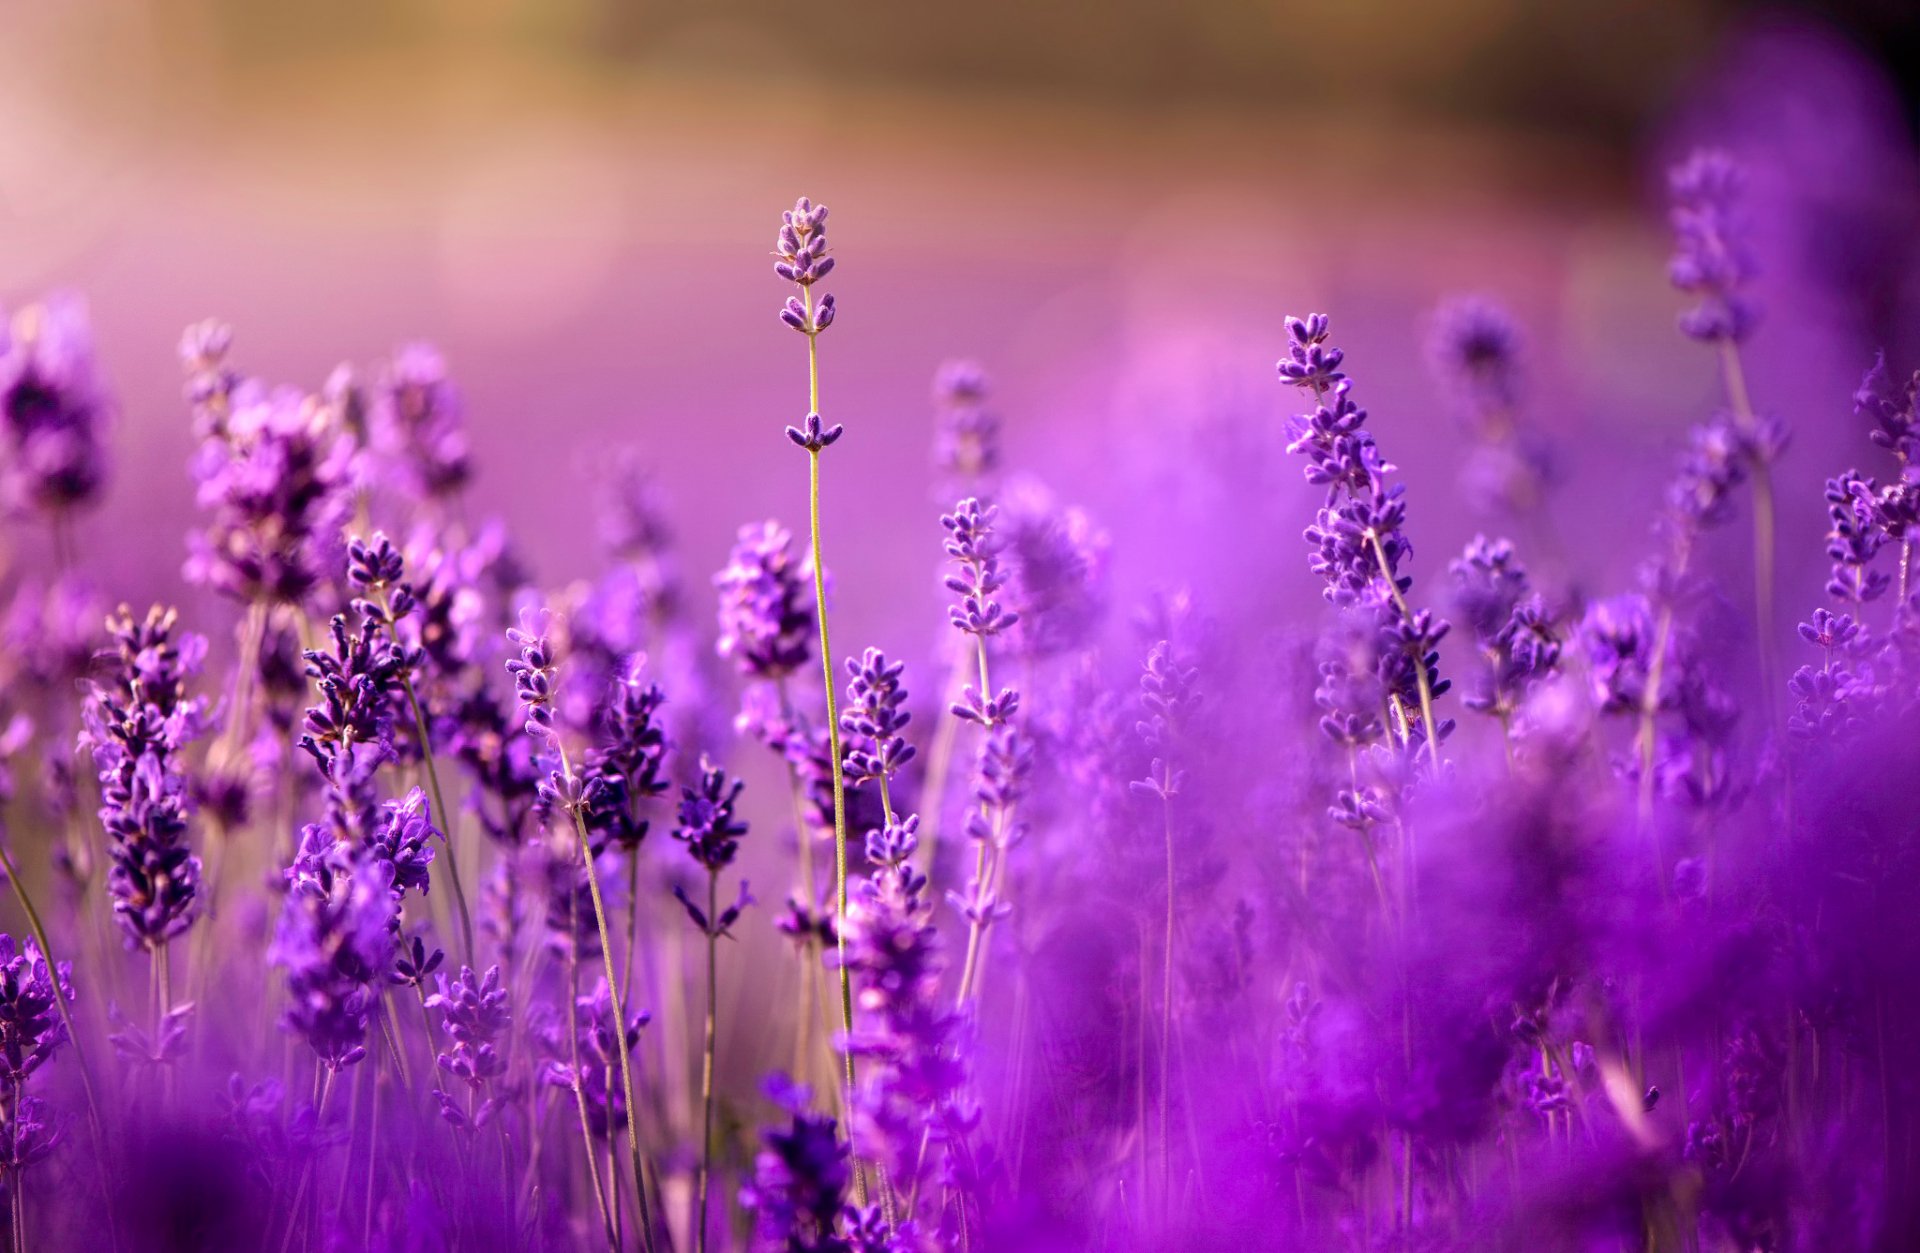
(1422, 761)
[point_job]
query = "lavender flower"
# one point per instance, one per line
(30, 1026)
(139, 719)
(402, 839)
(475, 1013)
(335, 941)
(766, 612)
(1356, 540)
(972, 544)
(54, 408)
(1474, 349)
(1711, 261)
(1517, 637)
(709, 826)
(803, 261)
(874, 717)
(1169, 701)
(30, 1031)
(800, 1177)
(966, 432)
(418, 425)
(273, 480)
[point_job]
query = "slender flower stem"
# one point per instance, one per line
(1166, 1001)
(1735, 377)
(833, 716)
(707, 1051)
(306, 1170)
(1419, 663)
(619, 1017)
(580, 1096)
(439, 798)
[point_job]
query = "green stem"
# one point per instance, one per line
(440, 801)
(1166, 1007)
(707, 1051)
(579, 1095)
(619, 1022)
(833, 722)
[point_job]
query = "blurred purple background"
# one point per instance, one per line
(1110, 206)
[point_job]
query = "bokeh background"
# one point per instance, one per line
(1109, 204)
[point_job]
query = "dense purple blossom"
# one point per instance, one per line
(54, 407)
(1712, 261)
(1357, 545)
(975, 549)
(418, 426)
(139, 720)
(334, 941)
(874, 717)
(803, 261)
(708, 824)
(766, 604)
(800, 1177)
(1214, 951)
(272, 481)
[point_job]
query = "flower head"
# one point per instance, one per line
(1711, 261)
(54, 409)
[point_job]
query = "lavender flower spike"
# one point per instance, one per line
(803, 261)
(1711, 261)
(535, 673)
(139, 720)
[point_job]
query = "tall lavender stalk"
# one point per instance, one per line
(378, 572)
(1712, 263)
(1356, 538)
(1167, 700)
(566, 789)
(1004, 753)
(802, 249)
(711, 831)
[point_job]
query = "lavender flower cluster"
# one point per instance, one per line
(1102, 931)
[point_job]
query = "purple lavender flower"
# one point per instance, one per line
(709, 825)
(803, 261)
(1356, 541)
(1058, 557)
(800, 1177)
(1169, 701)
(602, 1098)
(418, 426)
(766, 604)
(30, 1026)
(975, 548)
(335, 941)
(1853, 538)
(1711, 260)
(966, 432)
(402, 838)
(1517, 637)
(31, 1030)
(139, 719)
(273, 482)
(1474, 349)
(1891, 407)
(211, 381)
(54, 408)
(1618, 636)
(874, 717)
(349, 732)
(628, 767)
(475, 1013)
